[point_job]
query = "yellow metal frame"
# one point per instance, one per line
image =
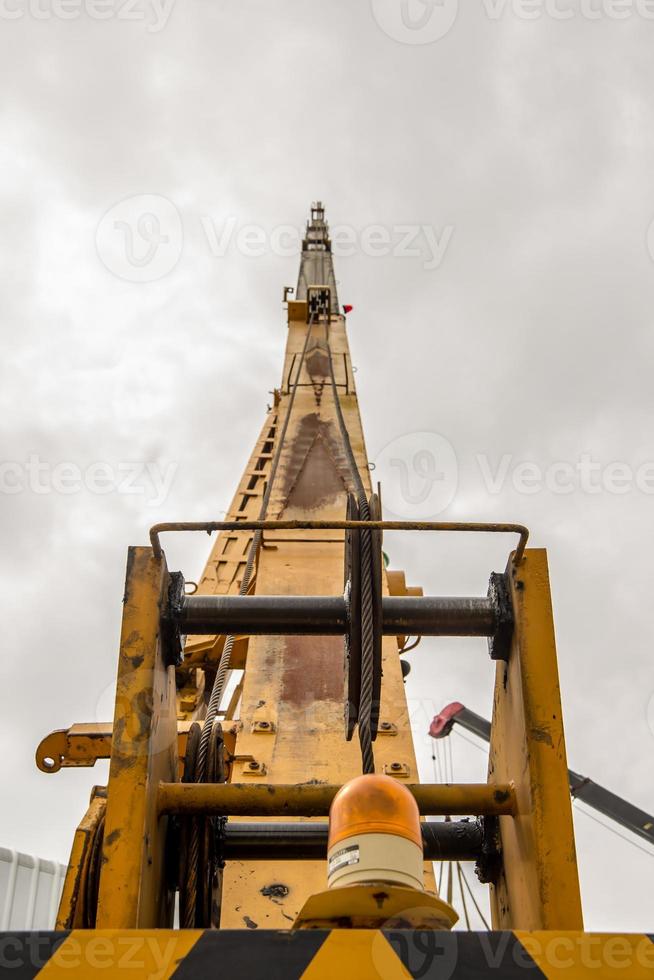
(539, 884)
(73, 896)
(133, 889)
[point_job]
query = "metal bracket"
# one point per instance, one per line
(489, 863)
(398, 769)
(172, 639)
(251, 766)
(319, 301)
(263, 727)
(499, 645)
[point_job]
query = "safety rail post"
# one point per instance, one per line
(538, 887)
(133, 890)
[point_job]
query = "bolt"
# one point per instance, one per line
(385, 725)
(395, 766)
(264, 724)
(253, 765)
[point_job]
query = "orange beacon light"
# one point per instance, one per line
(374, 834)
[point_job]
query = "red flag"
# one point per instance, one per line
(347, 309)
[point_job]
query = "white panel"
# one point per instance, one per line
(30, 889)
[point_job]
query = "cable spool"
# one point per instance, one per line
(355, 571)
(200, 880)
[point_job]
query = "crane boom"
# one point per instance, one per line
(581, 787)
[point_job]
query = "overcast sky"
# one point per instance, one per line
(492, 180)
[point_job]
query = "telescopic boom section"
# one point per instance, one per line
(291, 707)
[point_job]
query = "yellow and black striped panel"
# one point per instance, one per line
(340, 954)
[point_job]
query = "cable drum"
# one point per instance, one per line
(200, 877)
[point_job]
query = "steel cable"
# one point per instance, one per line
(367, 637)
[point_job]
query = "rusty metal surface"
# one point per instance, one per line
(458, 840)
(539, 885)
(338, 525)
(269, 799)
(83, 745)
(79, 745)
(74, 897)
(328, 615)
(133, 888)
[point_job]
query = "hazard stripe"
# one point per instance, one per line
(260, 955)
(355, 954)
(23, 954)
(463, 955)
(339, 954)
(125, 953)
(585, 954)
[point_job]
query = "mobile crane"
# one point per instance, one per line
(262, 816)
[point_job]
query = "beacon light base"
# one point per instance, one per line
(375, 905)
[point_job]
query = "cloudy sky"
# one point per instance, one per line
(490, 176)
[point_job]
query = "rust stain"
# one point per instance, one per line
(275, 892)
(318, 480)
(317, 364)
(312, 669)
(315, 468)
